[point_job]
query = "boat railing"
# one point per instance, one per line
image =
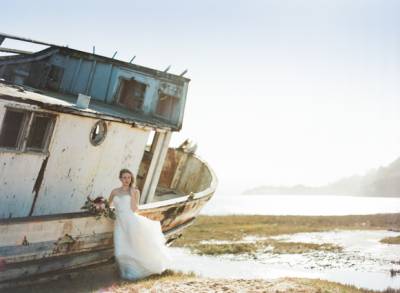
(186, 175)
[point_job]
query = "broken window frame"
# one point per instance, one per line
(47, 135)
(54, 77)
(118, 97)
(21, 134)
(26, 127)
(174, 115)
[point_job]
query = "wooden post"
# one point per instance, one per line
(155, 168)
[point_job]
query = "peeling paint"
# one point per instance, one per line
(80, 235)
(40, 182)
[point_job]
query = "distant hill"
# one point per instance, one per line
(384, 181)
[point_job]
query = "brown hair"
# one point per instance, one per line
(123, 171)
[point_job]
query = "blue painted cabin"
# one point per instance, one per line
(126, 90)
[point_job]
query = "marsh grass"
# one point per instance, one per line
(391, 240)
(231, 248)
(273, 246)
(300, 247)
(235, 228)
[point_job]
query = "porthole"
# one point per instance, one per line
(98, 133)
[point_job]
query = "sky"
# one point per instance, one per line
(282, 92)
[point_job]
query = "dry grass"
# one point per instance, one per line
(197, 284)
(322, 286)
(149, 282)
(171, 281)
(100, 278)
(391, 240)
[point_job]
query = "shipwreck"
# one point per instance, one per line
(69, 121)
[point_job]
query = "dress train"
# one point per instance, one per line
(139, 243)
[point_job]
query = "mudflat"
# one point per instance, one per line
(104, 278)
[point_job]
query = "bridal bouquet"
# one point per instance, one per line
(99, 207)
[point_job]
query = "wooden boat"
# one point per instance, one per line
(59, 145)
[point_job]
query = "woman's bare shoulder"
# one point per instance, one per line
(135, 190)
(115, 191)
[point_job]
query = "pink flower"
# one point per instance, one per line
(100, 206)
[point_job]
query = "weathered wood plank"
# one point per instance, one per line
(20, 253)
(52, 264)
(51, 229)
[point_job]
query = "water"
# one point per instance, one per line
(364, 261)
(312, 205)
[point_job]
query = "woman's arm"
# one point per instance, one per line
(134, 199)
(111, 197)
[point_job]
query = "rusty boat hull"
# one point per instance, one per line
(31, 247)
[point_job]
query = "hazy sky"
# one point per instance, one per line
(282, 92)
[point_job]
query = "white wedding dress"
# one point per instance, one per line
(139, 244)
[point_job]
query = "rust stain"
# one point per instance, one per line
(67, 227)
(169, 168)
(64, 244)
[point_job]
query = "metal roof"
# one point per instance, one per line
(66, 104)
(25, 56)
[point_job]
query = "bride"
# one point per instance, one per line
(139, 244)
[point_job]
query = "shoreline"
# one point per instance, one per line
(104, 278)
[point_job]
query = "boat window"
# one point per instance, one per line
(167, 106)
(54, 77)
(12, 128)
(131, 94)
(26, 131)
(39, 133)
(98, 133)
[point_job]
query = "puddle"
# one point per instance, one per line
(364, 261)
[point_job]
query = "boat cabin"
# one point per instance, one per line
(70, 120)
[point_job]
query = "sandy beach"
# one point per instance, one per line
(233, 285)
(105, 279)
